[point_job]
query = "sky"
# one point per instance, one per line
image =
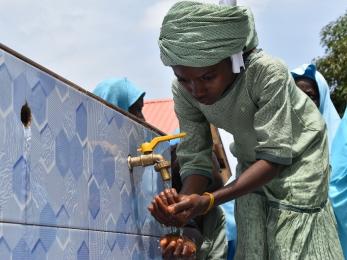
(88, 41)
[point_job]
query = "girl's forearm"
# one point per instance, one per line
(194, 184)
(258, 174)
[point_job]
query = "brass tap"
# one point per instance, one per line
(149, 158)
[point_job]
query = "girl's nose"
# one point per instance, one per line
(198, 90)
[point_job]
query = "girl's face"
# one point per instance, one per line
(309, 88)
(136, 109)
(206, 84)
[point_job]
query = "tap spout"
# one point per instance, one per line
(160, 164)
(149, 158)
(144, 160)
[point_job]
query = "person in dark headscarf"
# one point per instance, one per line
(313, 84)
(122, 93)
(282, 209)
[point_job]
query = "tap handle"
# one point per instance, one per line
(149, 146)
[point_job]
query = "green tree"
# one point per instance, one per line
(333, 65)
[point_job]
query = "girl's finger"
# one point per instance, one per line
(169, 196)
(163, 243)
(179, 207)
(186, 251)
(164, 198)
(175, 195)
(179, 247)
(163, 207)
(170, 249)
(159, 215)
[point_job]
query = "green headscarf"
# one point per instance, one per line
(198, 35)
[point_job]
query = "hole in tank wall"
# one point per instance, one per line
(25, 115)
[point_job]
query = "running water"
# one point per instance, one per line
(167, 184)
(26, 155)
(173, 230)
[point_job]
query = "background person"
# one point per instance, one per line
(338, 181)
(122, 93)
(313, 84)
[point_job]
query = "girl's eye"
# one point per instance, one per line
(181, 80)
(208, 77)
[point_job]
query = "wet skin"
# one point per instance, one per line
(177, 246)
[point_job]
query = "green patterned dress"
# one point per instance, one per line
(270, 119)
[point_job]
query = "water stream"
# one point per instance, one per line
(173, 230)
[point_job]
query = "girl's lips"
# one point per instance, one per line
(204, 101)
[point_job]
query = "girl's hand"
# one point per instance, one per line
(172, 209)
(189, 207)
(159, 208)
(174, 246)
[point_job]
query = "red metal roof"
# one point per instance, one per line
(161, 114)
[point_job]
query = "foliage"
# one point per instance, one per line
(333, 65)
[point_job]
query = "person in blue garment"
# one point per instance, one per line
(122, 93)
(313, 84)
(338, 181)
(231, 232)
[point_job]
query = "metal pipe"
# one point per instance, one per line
(144, 160)
(159, 162)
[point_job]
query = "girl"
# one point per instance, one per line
(281, 190)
